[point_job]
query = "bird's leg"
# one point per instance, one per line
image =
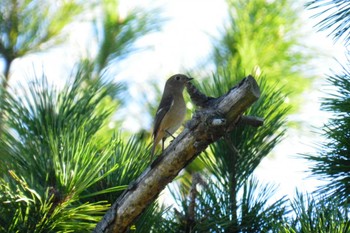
(169, 134)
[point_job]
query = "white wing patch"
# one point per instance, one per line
(162, 109)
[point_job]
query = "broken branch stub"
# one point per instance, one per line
(216, 118)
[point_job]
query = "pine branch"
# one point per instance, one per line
(218, 117)
(190, 215)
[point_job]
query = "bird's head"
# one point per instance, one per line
(177, 81)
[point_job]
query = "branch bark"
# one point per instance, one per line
(215, 118)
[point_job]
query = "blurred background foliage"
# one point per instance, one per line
(262, 37)
(65, 157)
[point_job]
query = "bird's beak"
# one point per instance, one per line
(189, 79)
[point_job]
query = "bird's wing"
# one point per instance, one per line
(164, 107)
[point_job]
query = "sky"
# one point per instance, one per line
(183, 42)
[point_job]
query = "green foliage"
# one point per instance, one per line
(240, 152)
(150, 220)
(317, 215)
(57, 173)
(132, 158)
(25, 210)
(51, 155)
(258, 211)
(215, 211)
(336, 17)
(261, 37)
(28, 26)
(117, 34)
(62, 165)
(333, 161)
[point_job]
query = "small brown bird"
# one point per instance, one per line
(171, 111)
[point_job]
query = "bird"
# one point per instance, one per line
(171, 111)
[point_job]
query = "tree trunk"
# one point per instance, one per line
(215, 118)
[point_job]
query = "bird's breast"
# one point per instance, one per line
(175, 116)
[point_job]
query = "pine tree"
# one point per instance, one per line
(328, 209)
(312, 214)
(332, 164)
(30, 26)
(335, 17)
(333, 161)
(60, 163)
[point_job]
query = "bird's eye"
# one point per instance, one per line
(177, 77)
